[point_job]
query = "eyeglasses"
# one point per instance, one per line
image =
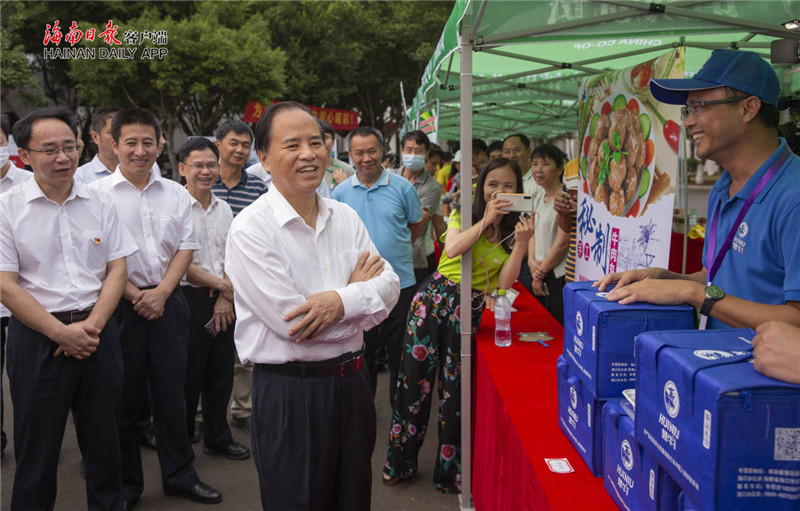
(69, 150)
(695, 108)
(199, 166)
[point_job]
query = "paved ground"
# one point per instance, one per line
(237, 480)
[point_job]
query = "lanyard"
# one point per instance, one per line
(712, 233)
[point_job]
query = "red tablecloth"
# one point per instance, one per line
(515, 423)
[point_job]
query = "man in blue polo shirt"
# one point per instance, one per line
(390, 208)
(751, 255)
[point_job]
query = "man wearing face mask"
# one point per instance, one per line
(415, 146)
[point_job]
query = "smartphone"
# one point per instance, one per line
(211, 327)
(521, 202)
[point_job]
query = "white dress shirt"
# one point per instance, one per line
(211, 226)
(258, 170)
(60, 252)
(276, 261)
(96, 170)
(160, 220)
(13, 177)
(92, 171)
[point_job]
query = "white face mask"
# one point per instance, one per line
(3, 156)
(413, 162)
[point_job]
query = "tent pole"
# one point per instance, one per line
(466, 263)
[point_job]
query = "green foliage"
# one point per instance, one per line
(343, 54)
(17, 73)
(354, 55)
(212, 69)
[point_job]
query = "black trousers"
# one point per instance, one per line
(389, 333)
(554, 302)
(155, 353)
(209, 371)
(43, 389)
(313, 440)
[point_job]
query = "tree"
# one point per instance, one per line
(17, 73)
(218, 58)
(355, 54)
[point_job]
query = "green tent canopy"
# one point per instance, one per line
(502, 67)
(530, 55)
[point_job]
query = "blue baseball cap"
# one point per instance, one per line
(744, 71)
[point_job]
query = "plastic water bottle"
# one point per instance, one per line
(502, 319)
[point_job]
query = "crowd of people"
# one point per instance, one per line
(150, 310)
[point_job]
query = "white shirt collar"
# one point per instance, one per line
(33, 191)
(284, 212)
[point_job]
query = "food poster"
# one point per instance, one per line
(628, 164)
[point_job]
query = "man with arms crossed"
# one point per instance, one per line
(751, 255)
(153, 314)
(308, 281)
(63, 349)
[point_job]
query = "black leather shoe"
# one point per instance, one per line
(198, 432)
(148, 439)
(128, 505)
(242, 423)
(200, 492)
(232, 451)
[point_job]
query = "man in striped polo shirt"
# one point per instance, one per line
(235, 186)
(239, 189)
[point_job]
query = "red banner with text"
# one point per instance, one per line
(344, 120)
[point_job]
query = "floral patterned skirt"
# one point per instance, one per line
(432, 345)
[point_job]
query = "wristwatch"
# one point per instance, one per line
(713, 294)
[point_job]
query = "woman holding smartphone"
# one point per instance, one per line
(499, 240)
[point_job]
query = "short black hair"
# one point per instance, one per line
(365, 131)
(479, 146)
(522, 138)
(497, 145)
(23, 127)
(238, 127)
(549, 151)
(327, 129)
(435, 150)
(196, 144)
(417, 136)
(100, 115)
(5, 124)
(263, 133)
(134, 116)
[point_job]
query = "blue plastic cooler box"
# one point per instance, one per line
(579, 417)
(599, 334)
(729, 436)
(632, 477)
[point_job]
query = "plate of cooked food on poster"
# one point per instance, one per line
(618, 155)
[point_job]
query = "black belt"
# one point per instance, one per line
(68, 317)
(202, 291)
(341, 366)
